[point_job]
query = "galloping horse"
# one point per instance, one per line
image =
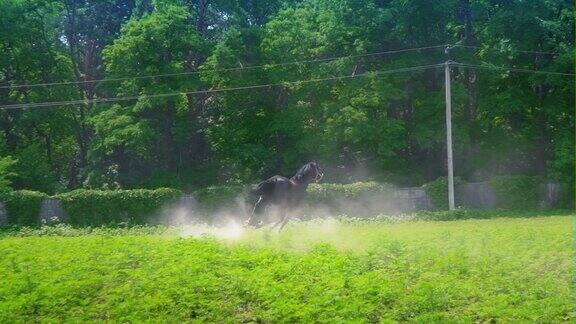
(283, 193)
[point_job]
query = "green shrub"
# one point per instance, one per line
(360, 198)
(6, 174)
(566, 199)
(516, 191)
(100, 207)
(23, 207)
(163, 179)
(67, 230)
(328, 192)
(437, 192)
(215, 197)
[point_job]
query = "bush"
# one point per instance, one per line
(516, 191)
(330, 195)
(162, 179)
(566, 195)
(327, 192)
(67, 230)
(214, 197)
(6, 173)
(359, 198)
(108, 207)
(23, 207)
(100, 207)
(437, 192)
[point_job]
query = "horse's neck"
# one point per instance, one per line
(302, 185)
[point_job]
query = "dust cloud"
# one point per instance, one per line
(227, 222)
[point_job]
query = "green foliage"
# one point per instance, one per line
(361, 199)
(23, 207)
(461, 214)
(100, 207)
(516, 192)
(455, 272)
(33, 169)
(392, 122)
(437, 191)
(331, 192)
(163, 179)
(6, 173)
(562, 168)
(67, 230)
(115, 129)
(149, 133)
(215, 197)
(567, 195)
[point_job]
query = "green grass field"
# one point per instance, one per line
(507, 269)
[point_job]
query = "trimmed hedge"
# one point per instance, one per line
(23, 207)
(330, 192)
(516, 191)
(360, 198)
(214, 197)
(339, 197)
(99, 207)
(102, 207)
(437, 192)
(512, 192)
(566, 195)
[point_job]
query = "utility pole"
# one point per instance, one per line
(449, 134)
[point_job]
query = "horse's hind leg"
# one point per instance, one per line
(283, 222)
(251, 219)
(283, 219)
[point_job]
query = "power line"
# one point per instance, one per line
(408, 69)
(487, 67)
(16, 86)
(172, 94)
(499, 50)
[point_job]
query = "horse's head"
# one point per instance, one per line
(310, 172)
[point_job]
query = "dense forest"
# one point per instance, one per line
(131, 93)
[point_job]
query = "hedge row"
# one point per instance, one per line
(23, 207)
(437, 192)
(101, 207)
(361, 199)
(516, 192)
(97, 207)
(85, 207)
(215, 197)
(330, 192)
(512, 192)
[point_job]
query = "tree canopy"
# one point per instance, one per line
(368, 118)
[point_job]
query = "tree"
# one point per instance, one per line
(151, 132)
(170, 54)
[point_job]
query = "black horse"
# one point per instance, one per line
(283, 193)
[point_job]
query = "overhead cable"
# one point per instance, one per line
(241, 68)
(172, 94)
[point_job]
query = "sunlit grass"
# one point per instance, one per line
(508, 269)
